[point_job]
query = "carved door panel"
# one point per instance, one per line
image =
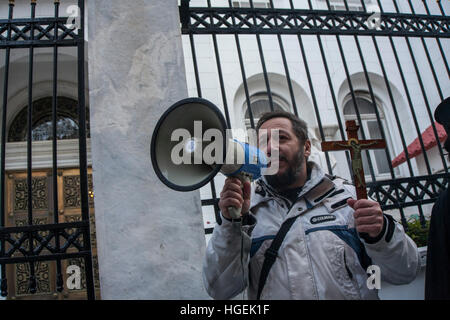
(17, 210)
(69, 210)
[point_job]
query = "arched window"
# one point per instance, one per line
(260, 104)
(371, 129)
(66, 121)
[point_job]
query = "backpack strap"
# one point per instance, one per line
(272, 253)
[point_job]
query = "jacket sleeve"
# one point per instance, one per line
(225, 267)
(437, 277)
(395, 253)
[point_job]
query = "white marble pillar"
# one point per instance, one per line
(150, 239)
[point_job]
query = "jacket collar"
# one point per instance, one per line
(316, 188)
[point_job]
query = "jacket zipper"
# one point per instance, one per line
(350, 274)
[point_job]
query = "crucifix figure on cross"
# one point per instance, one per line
(355, 146)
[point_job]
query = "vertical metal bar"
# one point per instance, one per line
(439, 41)
(440, 7)
(395, 6)
(194, 58)
(346, 6)
(224, 99)
(263, 63)
(59, 278)
(363, 6)
(32, 280)
(90, 290)
(4, 281)
(199, 94)
(443, 56)
(216, 202)
(433, 71)
(425, 5)
(244, 77)
(286, 69)
(219, 70)
(184, 15)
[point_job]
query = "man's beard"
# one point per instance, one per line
(280, 181)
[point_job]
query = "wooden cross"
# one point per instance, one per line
(355, 146)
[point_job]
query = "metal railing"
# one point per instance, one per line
(392, 27)
(57, 241)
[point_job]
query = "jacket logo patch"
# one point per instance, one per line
(323, 218)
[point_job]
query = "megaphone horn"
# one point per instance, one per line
(182, 115)
(189, 164)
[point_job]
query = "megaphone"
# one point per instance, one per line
(190, 145)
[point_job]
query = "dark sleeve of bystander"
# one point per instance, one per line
(437, 277)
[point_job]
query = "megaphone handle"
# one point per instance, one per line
(234, 212)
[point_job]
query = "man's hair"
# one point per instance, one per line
(298, 125)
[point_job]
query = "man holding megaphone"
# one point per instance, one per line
(301, 234)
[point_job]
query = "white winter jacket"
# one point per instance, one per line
(322, 255)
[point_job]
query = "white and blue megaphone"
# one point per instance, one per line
(191, 144)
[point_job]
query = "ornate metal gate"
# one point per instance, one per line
(343, 23)
(36, 243)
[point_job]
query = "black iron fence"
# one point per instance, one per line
(340, 23)
(31, 243)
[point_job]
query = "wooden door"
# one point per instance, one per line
(69, 210)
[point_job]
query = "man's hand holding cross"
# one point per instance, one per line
(368, 214)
